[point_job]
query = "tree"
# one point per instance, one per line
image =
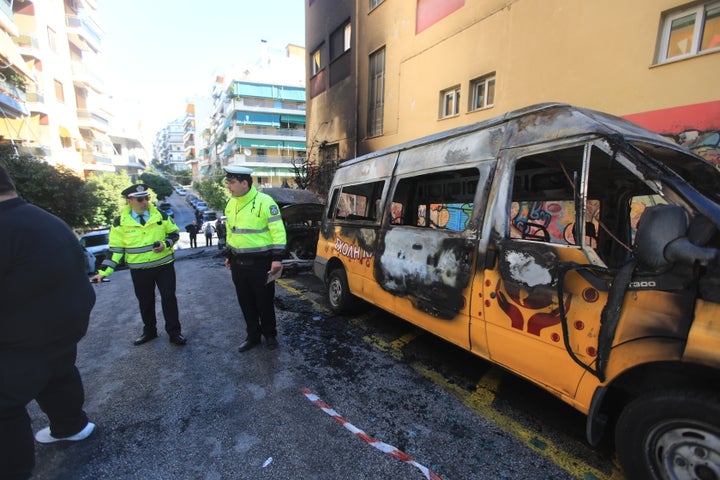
(55, 189)
(160, 185)
(214, 192)
(107, 188)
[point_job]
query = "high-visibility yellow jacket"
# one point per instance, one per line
(254, 226)
(135, 242)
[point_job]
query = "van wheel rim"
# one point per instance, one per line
(685, 452)
(335, 293)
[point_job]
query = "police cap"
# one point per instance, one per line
(135, 191)
(236, 171)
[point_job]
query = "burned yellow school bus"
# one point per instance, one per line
(571, 247)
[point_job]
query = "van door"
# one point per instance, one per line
(544, 193)
(426, 253)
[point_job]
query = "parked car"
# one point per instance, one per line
(302, 226)
(209, 216)
(167, 208)
(301, 211)
(201, 206)
(181, 191)
(97, 243)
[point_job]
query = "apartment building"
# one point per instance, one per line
(381, 72)
(66, 118)
(170, 145)
(258, 119)
(15, 75)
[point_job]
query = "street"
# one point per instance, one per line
(367, 397)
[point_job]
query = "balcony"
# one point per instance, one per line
(85, 77)
(262, 105)
(82, 32)
(28, 45)
(267, 133)
(12, 100)
(91, 119)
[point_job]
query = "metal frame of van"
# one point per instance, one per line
(472, 234)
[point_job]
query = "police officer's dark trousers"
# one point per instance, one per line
(255, 296)
(144, 282)
(49, 376)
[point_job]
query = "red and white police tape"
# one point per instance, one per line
(383, 447)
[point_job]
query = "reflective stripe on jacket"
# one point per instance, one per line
(135, 242)
(254, 225)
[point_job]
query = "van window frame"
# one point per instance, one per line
(372, 206)
(429, 180)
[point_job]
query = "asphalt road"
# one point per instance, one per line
(328, 404)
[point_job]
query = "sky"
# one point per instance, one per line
(159, 53)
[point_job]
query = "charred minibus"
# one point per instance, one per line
(571, 247)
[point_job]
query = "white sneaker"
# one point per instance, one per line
(43, 436)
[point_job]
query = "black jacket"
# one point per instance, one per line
(45, 293)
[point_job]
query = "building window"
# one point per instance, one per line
(59, 92)
(317, 61)
(689, 32)
(52, 39)
(450, 102)
(376, 93)
(375, 3)
(340, 41)
(482, 93)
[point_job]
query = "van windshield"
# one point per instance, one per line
(702, 176)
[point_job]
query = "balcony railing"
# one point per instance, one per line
(81, 31)
(13, 98)
(84, 75)
(28, 44)
(92, 119)
(240, 103)
(267, 132)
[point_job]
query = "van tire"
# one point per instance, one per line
(669, 433)
(339, 296)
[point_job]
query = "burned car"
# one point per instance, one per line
(301, 212)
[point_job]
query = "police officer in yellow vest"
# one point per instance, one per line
(144, 236)
(255, 248)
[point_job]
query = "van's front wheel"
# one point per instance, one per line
(339, 294)
(672, 435)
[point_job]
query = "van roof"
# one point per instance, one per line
(542, 120)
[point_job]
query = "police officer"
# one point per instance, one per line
(145, 237)
(255, 246)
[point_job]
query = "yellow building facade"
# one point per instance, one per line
(424, 66)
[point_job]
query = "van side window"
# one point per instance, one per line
(543, 199)
(549, 188)
(442, 200)
(358, 202)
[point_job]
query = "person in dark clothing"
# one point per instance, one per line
(193, 229)
(45, 304)
(221, 233)
(209, 230)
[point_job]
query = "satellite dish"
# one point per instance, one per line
(247, 151)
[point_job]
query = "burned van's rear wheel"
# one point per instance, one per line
(339, 294)
(673, 435)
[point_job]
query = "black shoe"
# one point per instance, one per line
(178, 339)
(144, 338)
(271, 343)
(247, 345)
